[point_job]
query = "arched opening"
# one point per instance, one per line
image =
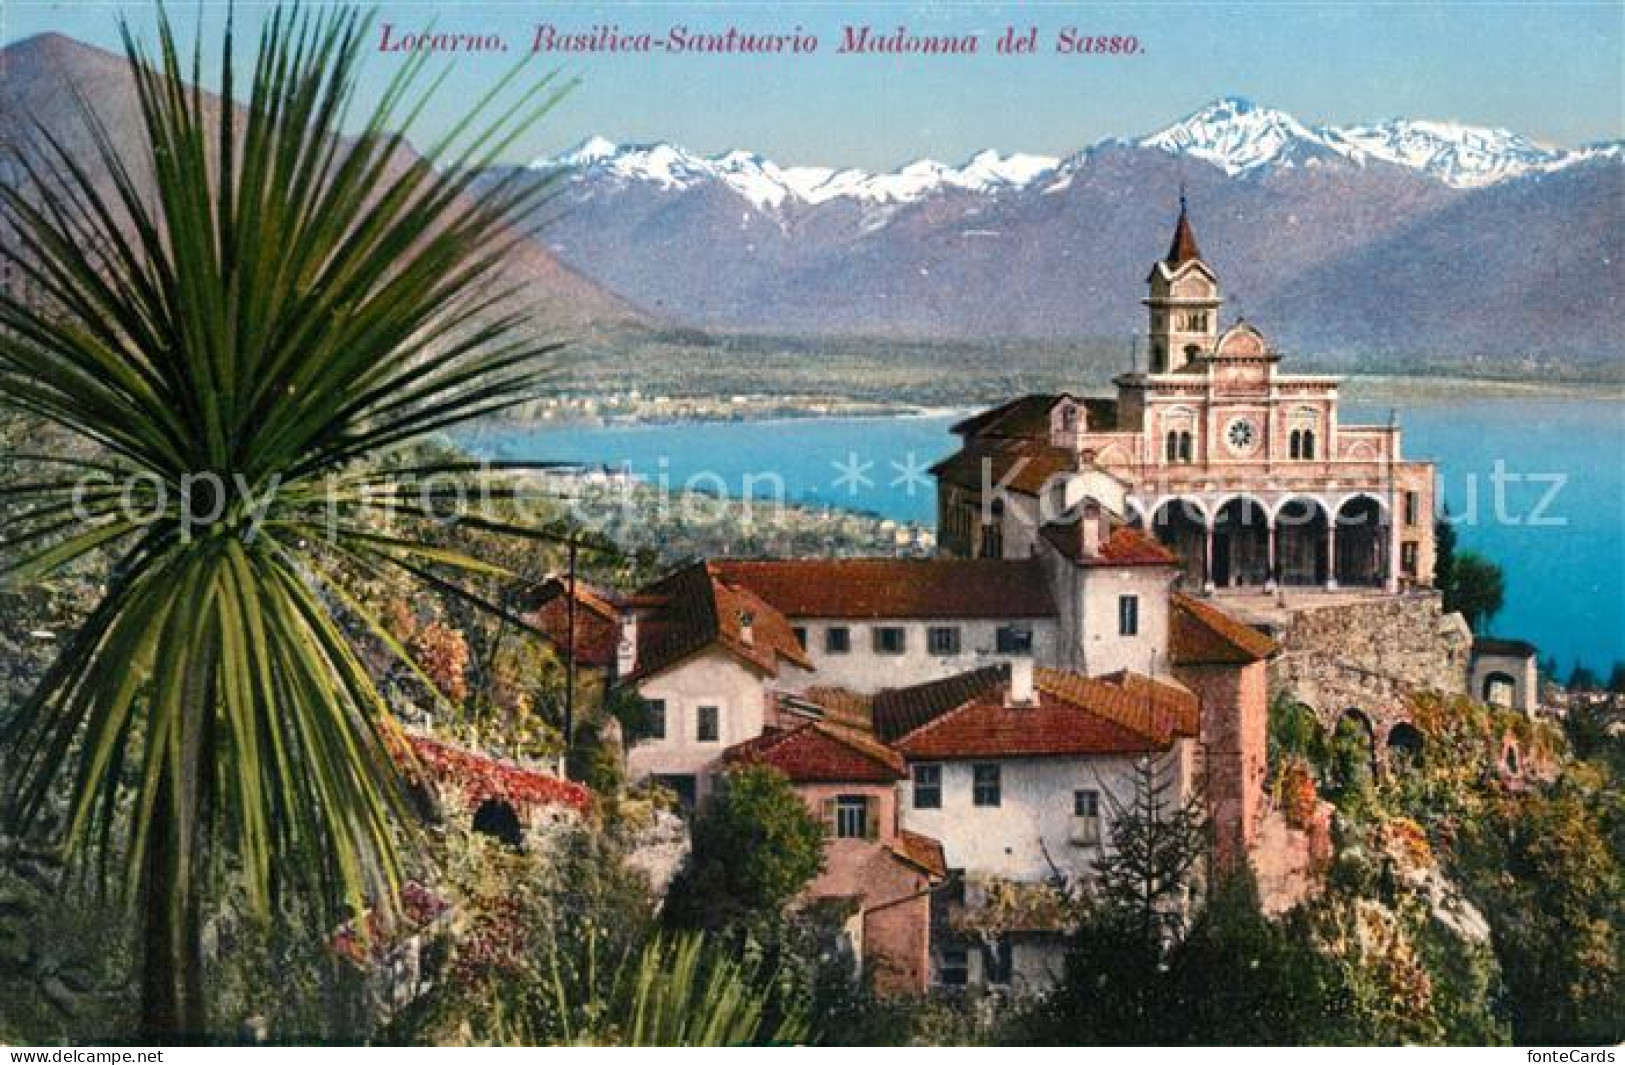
(1361, 537)
(1308, 444)
(1352, 764)
(498, 820)
(1241, 547)
(1180, 526)
(1500, 689)
(1404, 744)
(1170, 451)
(1300, 542)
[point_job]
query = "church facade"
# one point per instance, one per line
(1248, 473)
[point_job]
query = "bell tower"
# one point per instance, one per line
(1184, 301)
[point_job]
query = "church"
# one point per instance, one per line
(1248, 473)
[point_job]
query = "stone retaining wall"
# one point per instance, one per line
(1370, 655)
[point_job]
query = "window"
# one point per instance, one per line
(800, 633)
(985, 784)
(1308, 443)
(1407, 557)
(889, 640)
(1172, 450)
(1184, 447)
(707, 725)
(928, 787)
(1296, 445)
(1128, 615)
(837, 639)
(943, 639)
(954, 969)
(654, 719)
(1412, 505)
(852, 817)
(1086, 817)
(1015, 640)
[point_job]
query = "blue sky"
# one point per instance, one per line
(1555, 71)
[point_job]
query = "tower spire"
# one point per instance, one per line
(1183, 249)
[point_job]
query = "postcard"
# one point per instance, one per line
(542, 524)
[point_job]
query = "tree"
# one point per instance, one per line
(1444, 548)
(1242, 979)
(285, 301)
(1582, 678)
(1616, 679)
(755, 847)
(1475, 588)
(1157, 839)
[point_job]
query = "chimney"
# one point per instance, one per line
(1091, 527)
(1022, 692)
(626, 649)
(747, 628)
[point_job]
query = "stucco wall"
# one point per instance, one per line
(863, 670)
(1028, 836)
(713, 678)
(1523, 671)
(1234, 737)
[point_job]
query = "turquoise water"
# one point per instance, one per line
(1565, 563)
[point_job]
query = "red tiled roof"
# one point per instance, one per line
(1202, 634)
(841, 706)
(1020, 465)
(1124, 546)
(922, 851)
(1024, 416)
(819, 752)
(895, 588)
(967, 716)
(597, 624)
(899, 711)
(696, 608)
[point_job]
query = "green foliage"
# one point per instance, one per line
(1548, 869)
(755, 846)
(560, 947)
(1294, 731)
(1145, 878)
(234, 346)
(1475, 587)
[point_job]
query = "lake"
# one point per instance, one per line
(1564, 562)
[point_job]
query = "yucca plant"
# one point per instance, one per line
(290, 295)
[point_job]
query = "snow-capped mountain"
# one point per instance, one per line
(767, 185)
(1239, 137)
(1232, 133)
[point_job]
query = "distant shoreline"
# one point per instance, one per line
(1359, 389)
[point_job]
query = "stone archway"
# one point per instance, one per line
(1500, 689)
(1404, 743)
(1362, 537)
(1300, 542)
(1241, 544)
(1353, 761)
(499, 820)
(1180, 525)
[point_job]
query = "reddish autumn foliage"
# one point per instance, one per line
(481, 778)
(442, 653)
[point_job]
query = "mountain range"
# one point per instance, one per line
(1389, 244)
(1406, 238)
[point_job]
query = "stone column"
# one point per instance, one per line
(1331, 554)
(1389, 561)
(1207, 556)
(1269, 576)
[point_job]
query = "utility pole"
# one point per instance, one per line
(570, 649)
